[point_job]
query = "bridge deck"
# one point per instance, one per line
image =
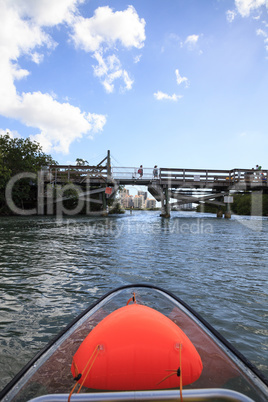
(184, 185)
(218, 180)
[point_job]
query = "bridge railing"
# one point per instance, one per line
(83, 174)
(213, 176)
(63, 173)
(74, 173)
(196, 175)
(131, 173)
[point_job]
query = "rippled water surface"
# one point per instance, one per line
(51, 270)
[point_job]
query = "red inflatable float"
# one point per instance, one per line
(136, 348)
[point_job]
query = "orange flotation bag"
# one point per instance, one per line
(136, 348)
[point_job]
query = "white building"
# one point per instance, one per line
(139, 201)
(150, 203)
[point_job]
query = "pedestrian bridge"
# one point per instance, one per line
(207, 186)
(193, 178)
(177, 177)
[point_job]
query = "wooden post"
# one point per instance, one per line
(50, 205)
(109, 169)
(219, 213)
(40, 193)
(227, 214)
(165, 213)
(167, 203)
(104, 204)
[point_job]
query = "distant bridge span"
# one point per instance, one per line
(204, 186)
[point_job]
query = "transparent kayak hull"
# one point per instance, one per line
(226, 374)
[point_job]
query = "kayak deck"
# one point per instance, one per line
(219, 395)
(226, 374)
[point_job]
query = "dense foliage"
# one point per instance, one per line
(18, 155)
(23, 156)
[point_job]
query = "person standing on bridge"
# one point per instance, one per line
(258, 174)
(155, 172)
(140, 171)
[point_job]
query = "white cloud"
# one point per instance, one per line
(37, 57)
(230, 15)
(102, 33)
(245, 7)
(97, 121)
(191, 41)
(17, 72)
(21, 33)
(127, 80)
(19, 36)
(109, 65)
(159, 95)
(60, 123)
(181, 79)
(163, 96)
(46, 12)
(260, 32)
(137, 58)
(108, 70)
(106, 28)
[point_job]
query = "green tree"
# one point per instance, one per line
(5, 174)
(242, 204)
(81, 162)
(22, 155)
(18, 155)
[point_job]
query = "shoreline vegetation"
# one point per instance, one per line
(244, 204)
(18, 156)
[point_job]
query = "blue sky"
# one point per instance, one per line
(177, 83)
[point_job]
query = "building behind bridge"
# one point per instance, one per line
(139, 201)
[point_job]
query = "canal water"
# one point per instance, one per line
(52, 269)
